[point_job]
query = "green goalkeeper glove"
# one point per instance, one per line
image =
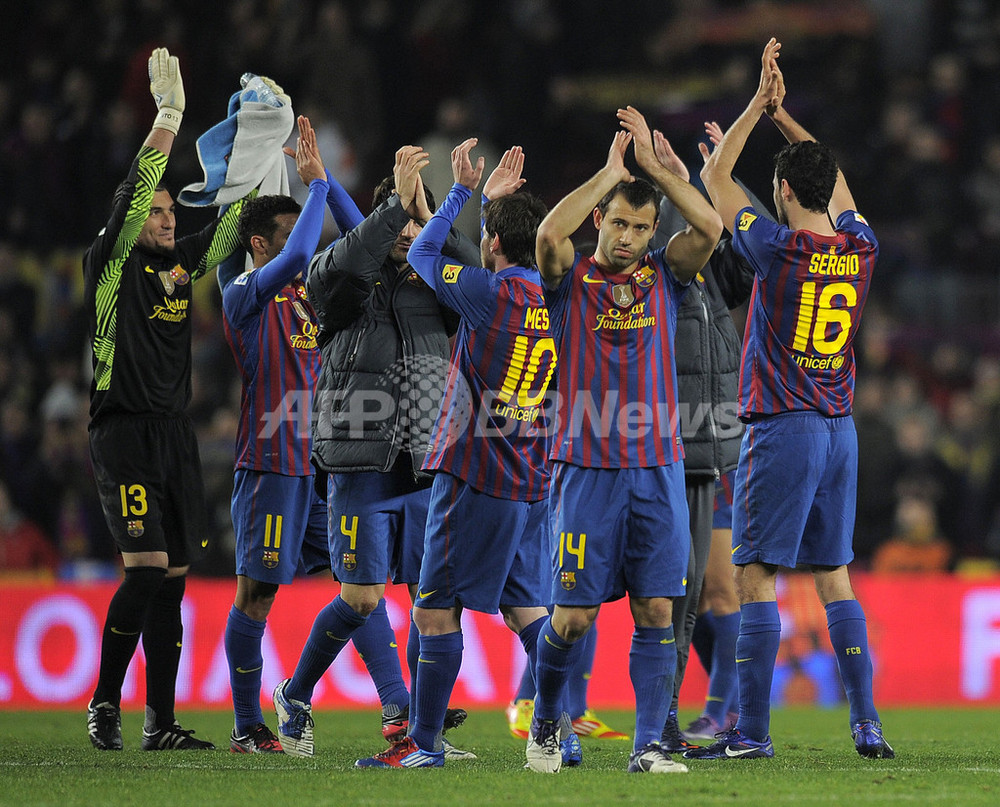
(167, 89)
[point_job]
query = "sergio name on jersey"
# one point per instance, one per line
(808, 294)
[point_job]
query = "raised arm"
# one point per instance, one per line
(428, 245)
(167, 89)
(131, 204)
(689, 249)
(506, 177)
(794, 132)
(553, 248)
(717, 173)
(304, 238)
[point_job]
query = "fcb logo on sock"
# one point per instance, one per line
(270, 559)
(350, 561)
(568, 580)
(135, 529)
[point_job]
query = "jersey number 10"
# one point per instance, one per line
(523, 369)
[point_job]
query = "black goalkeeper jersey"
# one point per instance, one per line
(138, 302)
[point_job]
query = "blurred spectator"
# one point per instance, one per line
(23, 546)
(877, 457)
(454, 124)
(17, 297)
(969, 450)
(916, 544)
(929, 180)
(340, 77)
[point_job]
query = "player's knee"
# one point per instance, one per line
(361, 599)
(572, 623)
(259, 600)
(652, 612)
(719, 595)
(436, 621)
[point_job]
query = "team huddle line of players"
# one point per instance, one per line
(437, 455)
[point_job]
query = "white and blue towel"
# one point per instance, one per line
(243, 152)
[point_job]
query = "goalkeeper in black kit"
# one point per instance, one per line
(138, 280)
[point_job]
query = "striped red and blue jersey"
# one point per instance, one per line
(492, 429)
(617, 381)
(271, 329)
(808, 294)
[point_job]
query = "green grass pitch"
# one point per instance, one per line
(944, 756)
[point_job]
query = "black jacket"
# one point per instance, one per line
(384, 344)
(707, 354)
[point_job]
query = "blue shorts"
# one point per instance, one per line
(722, 514)
(280, 526)
(376, 527)
(618, 531)
(795, 491)
(481, 552)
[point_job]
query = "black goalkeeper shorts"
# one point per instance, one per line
(149, 479)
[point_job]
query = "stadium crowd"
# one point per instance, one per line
(928, 179)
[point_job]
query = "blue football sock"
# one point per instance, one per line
(246, 663)
(526, 687)
(579, 676)
(845, 620)
(555, 660)
(703, 639)
(375, 642)
(722, 684)
(412, 654)
(529, 641)
(331, 631)
(756, 652)
(438, 665)
(652, 663)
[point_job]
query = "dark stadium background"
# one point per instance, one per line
(905, 91)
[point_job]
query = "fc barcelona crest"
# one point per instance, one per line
(350, 561)
(414, 279)
(622, 295)
(175, 277)
(567, 580)
(645, 276)
(135, 529)
(270, 559)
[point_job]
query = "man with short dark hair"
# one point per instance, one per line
(796, 482)
(619, 517)
(489, 446)
(137, 280)
(383, 337)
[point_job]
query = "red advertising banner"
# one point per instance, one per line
(935, 640)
